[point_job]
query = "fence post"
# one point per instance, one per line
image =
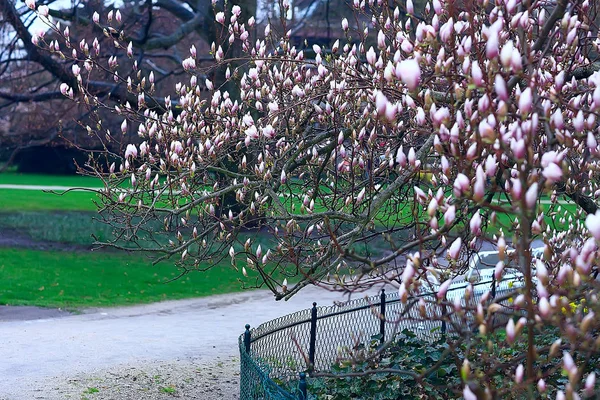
(313, 337)
(444, 314)
(382, 317)
(302, 387)
(247, 338)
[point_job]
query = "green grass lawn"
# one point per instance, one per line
(87, 279)
(33, 200)
(92, 279)
(16, 178)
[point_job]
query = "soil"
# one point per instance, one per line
(14, 238)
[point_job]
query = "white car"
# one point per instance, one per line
(480, 274)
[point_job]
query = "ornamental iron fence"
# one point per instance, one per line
(277, 356)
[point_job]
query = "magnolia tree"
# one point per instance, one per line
(418, 138)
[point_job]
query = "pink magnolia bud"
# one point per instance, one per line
(371, 56)
(408, 273)
(498, 270)
(553, 173)
(96, 17)
(491, 47)
(403, 293)
(420, 194)
(511, 332)
(591, 142)
(410, 8)
(531, 196)
(361, 196)
(409, 72)
(557, 119)
(447, 30)
(501, 247)
(220, 17)
(381, 40)
(381, 103)
(449, 215)
(590, 383)
(500, 87)
(476, 74)
(412, 157)
(454, 249)
(259, 252)
(587, 321)
(506, 54)
(541, 385)
(43, 10)
(188, 64)
(118, 16)
(400, 157)
(30, 4)
(432, 207)
(345, 24)
(541, 271)
(131, 151)
(526, 102)
(568, 363)
(579, 122)
(479, 185)
(283, 177)
(544, 307)
(64, 89)
(475, 224)
(461, 185)
(490, 165)
(441, 294)
(519, 372)
(519, 149)
(468, 393)
(592, 223)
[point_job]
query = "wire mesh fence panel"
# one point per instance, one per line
(283, 344)
(344, 328)
(256, 381)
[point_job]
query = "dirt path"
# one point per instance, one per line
(186, 348)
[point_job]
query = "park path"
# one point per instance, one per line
(35, 352)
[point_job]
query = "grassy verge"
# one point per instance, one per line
(86, 279)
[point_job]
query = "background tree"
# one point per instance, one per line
(412, 139)
(34, 113)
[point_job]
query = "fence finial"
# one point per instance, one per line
(247, 338)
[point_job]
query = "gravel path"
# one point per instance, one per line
(179, 349)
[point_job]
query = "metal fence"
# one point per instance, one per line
(276, 355)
